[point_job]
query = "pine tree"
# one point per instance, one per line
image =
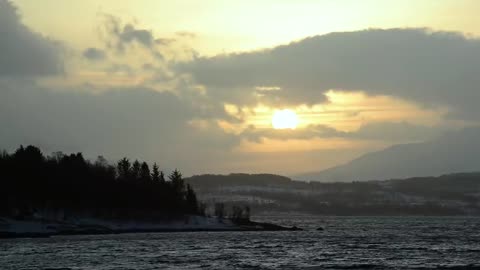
(155, 173)
(177, 182)
(136, 170)
(123, 169)
(192, 203)
(145, 172)
(101, 161)
(30, 182)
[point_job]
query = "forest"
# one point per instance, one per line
(31, 182)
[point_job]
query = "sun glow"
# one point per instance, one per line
(284, 119)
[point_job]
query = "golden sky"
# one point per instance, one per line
(206, 33)
(225, 26)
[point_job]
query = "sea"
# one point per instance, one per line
(325, 243)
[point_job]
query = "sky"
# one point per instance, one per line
(194, 85)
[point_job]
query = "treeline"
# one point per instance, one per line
(453, 194)
(237, 214)
(31, 182)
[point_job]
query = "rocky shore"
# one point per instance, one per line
(11, 228)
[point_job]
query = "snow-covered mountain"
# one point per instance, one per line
(453, 152)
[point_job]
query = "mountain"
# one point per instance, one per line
(236, 179)
(457, 151)
(453, 194)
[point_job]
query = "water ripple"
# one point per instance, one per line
(346, 243)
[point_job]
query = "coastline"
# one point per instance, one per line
(10, 228)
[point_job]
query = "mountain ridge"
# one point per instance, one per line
(453, 152)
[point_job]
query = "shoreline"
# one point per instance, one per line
(41, 229)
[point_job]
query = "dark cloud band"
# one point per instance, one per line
(428, 67)
(23, 52)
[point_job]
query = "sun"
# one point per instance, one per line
(284, 119)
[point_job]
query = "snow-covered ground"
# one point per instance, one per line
(41, 226)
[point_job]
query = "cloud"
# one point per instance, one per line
(121, 69)
(23, 52)
(94, 54)
(130, 34)
(179, 127)
(186, 34)
(121, 35)
(164, 41)
(135, 122)
(429, 67)
(396, 132)
(381, 131)
(176, 131)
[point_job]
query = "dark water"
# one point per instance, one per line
(346, 243)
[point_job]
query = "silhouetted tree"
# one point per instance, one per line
(136, 170)
(65, 183)
(191, 197)
(155, 173)
(240, 214)
(57, 156)
(177, 182)
(123, 169)
(202, 209)
(100, 162)
(220, 210)
(30, 155)
(145, 172)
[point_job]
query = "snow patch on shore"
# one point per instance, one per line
(41, 226)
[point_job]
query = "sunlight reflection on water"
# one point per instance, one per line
(346, 242)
